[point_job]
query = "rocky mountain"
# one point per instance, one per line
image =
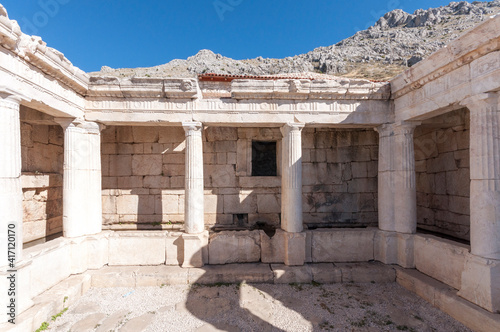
(397, 41)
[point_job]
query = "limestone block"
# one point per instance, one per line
(234, 247)
(291, 274)
(98, 251)
(295, 248)
(137, 248)
(193, 249)
(54, 256)
(161, 275)
(40, 134)
(268, 203)
(232, 273)
(213, 203)
(342, 245)
(221, 175)
(365, 185)
(225, 146)
(442, 163)
(326, 273)
(122, 148)
(441, 259)
(117, 276)
(231, 158)
(458, 182)
(221, 158)
(221, 134)
(172, 135)
(108, 204)
(135, 204)
(174, 248)
(157, 182)
(169, 204)
(173, 170)
(120, 165)
(479, 283)
(272, 248)
(366, 272)
(242, 203)
(147, 164)
(128, 182)
(145, 134)
(124, 134)
(260, 181)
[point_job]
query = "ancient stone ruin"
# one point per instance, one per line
(103, 172)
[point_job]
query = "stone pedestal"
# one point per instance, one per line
(82, 202)
(481, 282)
(291, 178)
(193, 249)
(295, 248)
(11, 211)
(395, 248)
(194, 208)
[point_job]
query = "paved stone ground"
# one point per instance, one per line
(254, 307)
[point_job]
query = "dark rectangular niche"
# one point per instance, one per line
(264, 158)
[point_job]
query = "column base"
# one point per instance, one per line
(295, 248)
(395, 248)
(480, 282)
(194, 246)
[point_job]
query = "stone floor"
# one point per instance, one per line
(254, 307)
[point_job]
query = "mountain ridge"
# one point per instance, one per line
(395, 42)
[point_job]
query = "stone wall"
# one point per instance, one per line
(143, 177)
(42, 168)
(442, 173)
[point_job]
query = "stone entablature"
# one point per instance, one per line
(468, 66)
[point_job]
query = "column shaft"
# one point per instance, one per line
(11, 213)
(386, 219)
(291, 178)
(485, 176)
(405, 193)
(194, 205)
(82, 202)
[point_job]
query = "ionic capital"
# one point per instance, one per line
(291, 128)
(483, 102)
(192, 128)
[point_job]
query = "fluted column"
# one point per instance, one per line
(291, 178)
(194, 208)
(405, 193)
(397, 203)
(386, 168)
(82, 202)
(482, 266)
(11, 215)
(485, 175)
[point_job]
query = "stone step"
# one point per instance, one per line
(142, 276)
(446, 299)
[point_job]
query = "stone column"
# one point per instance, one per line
(397, 203)
(482, 267)
(405, 191)
(11, 211)
(291, 194)
(194, 202)
(82, 202)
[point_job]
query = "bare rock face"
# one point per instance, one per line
(397, 41)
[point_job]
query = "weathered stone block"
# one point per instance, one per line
(243, 203)
(137, 248)
(295, 248)
(147, 165)
(291, 274)
(431, 253)
(234, 247)
(268, 203)
(272, 248)
(342, 245)
(120, 165)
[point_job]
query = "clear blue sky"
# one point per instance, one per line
(143, 33)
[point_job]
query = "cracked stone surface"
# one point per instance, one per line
(255, 307)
